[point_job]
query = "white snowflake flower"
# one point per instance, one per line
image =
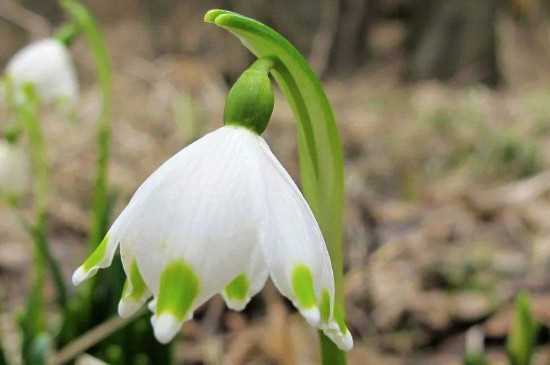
(48, 66)
(219, 217)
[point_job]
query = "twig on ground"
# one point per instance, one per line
(90, 338)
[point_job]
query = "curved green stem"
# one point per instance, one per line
(67, 33)
(321, 161)
(34, 321)
(96, 43)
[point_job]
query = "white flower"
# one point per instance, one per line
(48, 66)
(14, 171)
(221, 216)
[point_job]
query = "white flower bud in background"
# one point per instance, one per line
(48, 66)
(14, 171)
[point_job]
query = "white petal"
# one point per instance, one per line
(14, 171)
(165, 327)
(103, 255)
(46, 64)
(152, 305)
(292, 238)
(293, 243)
(344, 341)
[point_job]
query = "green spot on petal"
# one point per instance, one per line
(99, 254)
(179, 286)
(134, 287)
(324, 308)
(339, 318)
(302, 285)
(237, 289)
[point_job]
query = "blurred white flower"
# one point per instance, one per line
(220, 216)
(48, 66)
(14, 171)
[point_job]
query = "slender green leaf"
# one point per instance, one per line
(321, 161)
(522, 337)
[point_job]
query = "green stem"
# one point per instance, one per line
(96, 43)
(13, 130)
(321, 161)
(28, 113)
(34, 320)
(67, 33)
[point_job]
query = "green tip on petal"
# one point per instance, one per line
(179, 287)
(237, 289)
(302, 285)
(97, 256)
(236, 293)
(93, 263)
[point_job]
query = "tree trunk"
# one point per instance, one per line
(350, 43)
(454, 40)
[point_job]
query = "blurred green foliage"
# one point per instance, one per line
(523, 333)
(97, 301)
(521, 340)
(475, 359)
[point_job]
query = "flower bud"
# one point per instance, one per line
(14, 171)
(48, 66)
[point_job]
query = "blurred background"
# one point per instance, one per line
(444, 111)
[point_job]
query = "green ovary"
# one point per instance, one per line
(135, 287)
(302, 285)
(99, 253)
(238, 288)
(179, 287)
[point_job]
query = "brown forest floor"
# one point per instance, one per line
(448, 206)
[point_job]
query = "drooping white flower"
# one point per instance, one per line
(221, 216)
(14, 170)
(48, 66)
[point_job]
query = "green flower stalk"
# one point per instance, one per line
(92, 304)
(41, 72)
(33, 321)
(28, 114)
(84, 22)
(321, 161)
